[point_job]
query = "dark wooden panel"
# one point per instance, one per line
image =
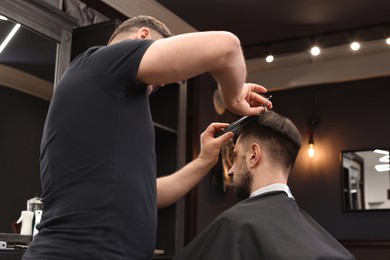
(92, 35)
(368, 249)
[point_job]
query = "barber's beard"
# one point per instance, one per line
(243, 188)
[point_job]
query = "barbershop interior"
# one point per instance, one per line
(326, 65)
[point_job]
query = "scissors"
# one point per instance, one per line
(243, 121)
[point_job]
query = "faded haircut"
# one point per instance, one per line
(278, 136)
(140, 21)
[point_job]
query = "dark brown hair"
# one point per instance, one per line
(278, 136)
(139, 22)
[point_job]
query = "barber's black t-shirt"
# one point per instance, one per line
(98, 165)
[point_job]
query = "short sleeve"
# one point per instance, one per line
(115, 67)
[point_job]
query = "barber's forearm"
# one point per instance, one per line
(231, 75)
(173, 187)
(230, 84)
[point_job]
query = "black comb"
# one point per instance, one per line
(243, 121)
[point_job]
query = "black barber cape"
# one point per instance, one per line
(267, 226)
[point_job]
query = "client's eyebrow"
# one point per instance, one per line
(234, 156)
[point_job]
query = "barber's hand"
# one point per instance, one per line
(210, 146)
(250, 102)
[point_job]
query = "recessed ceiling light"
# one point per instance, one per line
(355, 46)
(269, 58)
(315, 51)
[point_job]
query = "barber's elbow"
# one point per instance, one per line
(163, 202)
(231, 42)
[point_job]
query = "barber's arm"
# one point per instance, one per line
(187, 55)
(172, 187)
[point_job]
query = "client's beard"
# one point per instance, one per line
(243, 189)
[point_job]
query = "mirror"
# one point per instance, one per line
(365, 180)
(227, 163)
(52, 24)
(27, 59)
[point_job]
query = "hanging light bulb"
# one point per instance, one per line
(311, 150)
(313, 122)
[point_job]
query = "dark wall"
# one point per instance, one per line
(353, 115)
(21, 122)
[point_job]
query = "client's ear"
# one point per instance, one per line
(255, 155)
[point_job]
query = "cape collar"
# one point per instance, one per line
(273, 187)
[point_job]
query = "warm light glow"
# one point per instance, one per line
(388, 41)
(269, 58)
(311, 150)
(355, 46)
(9, 37)
(315, 51)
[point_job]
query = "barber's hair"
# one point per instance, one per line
(276, 134)
(135, 23)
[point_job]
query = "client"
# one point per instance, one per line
(268, 223)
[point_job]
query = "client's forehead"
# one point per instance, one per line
(238, 145)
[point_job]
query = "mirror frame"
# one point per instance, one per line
(49, 21)
(361, 162)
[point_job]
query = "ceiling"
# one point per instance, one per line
(281, 25)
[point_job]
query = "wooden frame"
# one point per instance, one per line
(48, 21)
(365, 164)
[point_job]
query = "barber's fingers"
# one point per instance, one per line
(256, 88)
(251, 101)
(225, 137)
(213, 128)
(255, 99)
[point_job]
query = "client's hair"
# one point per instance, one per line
(277, 134)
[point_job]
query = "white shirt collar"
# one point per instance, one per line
(273, 187)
